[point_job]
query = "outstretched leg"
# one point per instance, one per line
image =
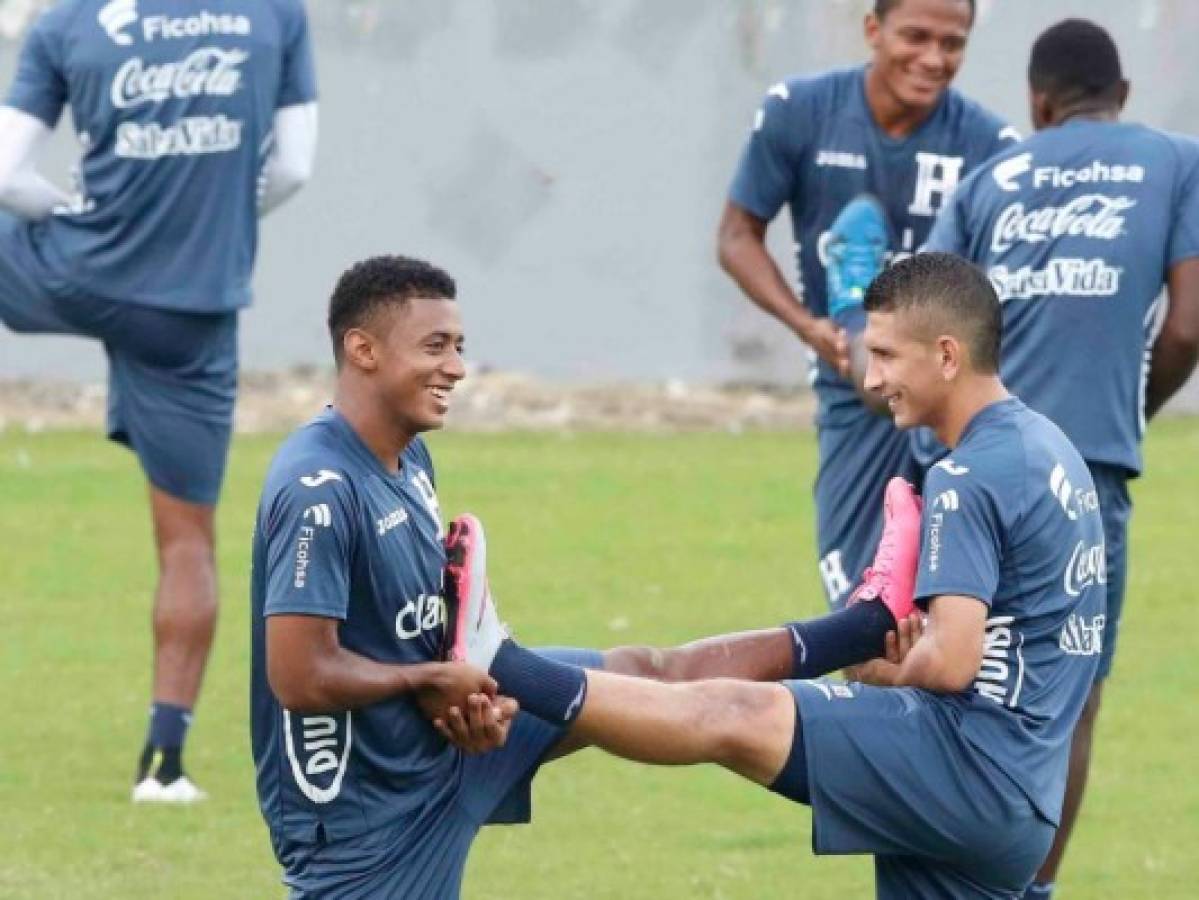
(743, 726)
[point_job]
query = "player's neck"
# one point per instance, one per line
(377, 430)
(895, 118)
(1088, 113)
(967, 401)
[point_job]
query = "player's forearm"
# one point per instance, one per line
(30, 196)
(343, 680)
(23, 191)
(764, 655)
(289, 167)
(1174, 359)
(743, 255)
(934, 667)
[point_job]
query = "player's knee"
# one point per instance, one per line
(751, 726)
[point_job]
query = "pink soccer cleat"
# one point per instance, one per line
(473, 630)
(892, 577)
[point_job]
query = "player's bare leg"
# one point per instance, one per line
(1076, 784)
(184, 622)
(743, 726)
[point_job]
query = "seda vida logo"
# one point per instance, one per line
(208, 71)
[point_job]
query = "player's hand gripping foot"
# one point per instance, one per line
(181, 790)
(892, 578)
(473, 627)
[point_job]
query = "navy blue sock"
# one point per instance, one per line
(1039, 891)
(792, 782)
(552, 691)
(164, 742)
(846, 637)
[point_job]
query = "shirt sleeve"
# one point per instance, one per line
(1002, 136)
(309, 537)
(1184, 218)
(962, 535)
(766, 174)
(39, 87)
(298, 82)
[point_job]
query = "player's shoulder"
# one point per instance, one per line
(312, 458)
(991, 453)
(974, 120)
(1180, 149)
(61, 17)
(812, 92)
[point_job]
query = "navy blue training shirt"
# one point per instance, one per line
(1011, 518)
(339, 536)
(173, 102)
(1077, 228)
(815, 146)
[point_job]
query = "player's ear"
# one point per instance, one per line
(949, 356)
(360, 350)
(1122, 96)
(1040, 109)
(871, 27)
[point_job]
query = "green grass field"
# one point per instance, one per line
(595, 540)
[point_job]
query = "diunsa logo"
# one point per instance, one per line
(115, 16)
(315, 763)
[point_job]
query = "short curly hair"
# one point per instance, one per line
(367, 286)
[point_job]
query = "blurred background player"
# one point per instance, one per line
(864, 158)
(1078, 228)
(194, 119)
(953, 776)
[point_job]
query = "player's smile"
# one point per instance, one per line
(441, 396)
(919, 47)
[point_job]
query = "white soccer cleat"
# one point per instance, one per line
(181, 790)
(474, 631)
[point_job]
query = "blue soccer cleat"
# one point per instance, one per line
(853, 251)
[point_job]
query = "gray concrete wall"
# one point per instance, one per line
(567, 160)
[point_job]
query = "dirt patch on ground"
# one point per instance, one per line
(485, 401)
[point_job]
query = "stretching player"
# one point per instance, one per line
(953, 778)
(194, 119)
(361, 795)
(863, 158)
(1078, 228)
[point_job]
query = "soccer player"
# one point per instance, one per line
(194, 119)
(1079, 227)
(361, 795)
(953, 778)
(863, 158)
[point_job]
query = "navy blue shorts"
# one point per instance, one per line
(856, 462)
(421, 856)
(1115, 508)
(172, 376)
(890, 775)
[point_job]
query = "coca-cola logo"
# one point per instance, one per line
(1091, 216)
(1087, 566)
(206, 72)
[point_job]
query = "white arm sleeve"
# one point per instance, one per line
(22, 190)
(289, 164)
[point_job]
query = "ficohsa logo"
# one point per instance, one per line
(115, 16)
